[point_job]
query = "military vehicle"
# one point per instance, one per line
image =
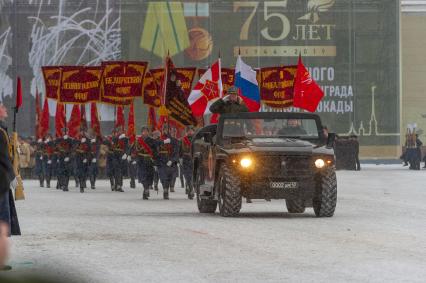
(265, 155)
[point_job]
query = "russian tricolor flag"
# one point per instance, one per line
(245, 80)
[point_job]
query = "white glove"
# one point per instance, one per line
(83, 140)
(85, 160)
(49, 162)
(169, 163)
(226, 98)
(57, 161)
(122, 136)
(46, 141)
(65, 137)
(13, 184)
(124, 157)
(41, 157)
(39, 140)
(66, 159)
(134, 162)
(167, 141)
(181, 160)
(129, 158)
(93, 140)
(94, 160)
(155, 168)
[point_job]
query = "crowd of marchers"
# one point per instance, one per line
(149, 158)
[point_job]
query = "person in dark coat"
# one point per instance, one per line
(132, 164)
(231, 103)
(186, 160)
(93, 161)
(82, 155)
(38, 155)
(8, 181)
(64, 147)
(109, 168)
(119, 159)
(48, 159)
(143, 152)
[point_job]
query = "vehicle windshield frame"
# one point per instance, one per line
(270, 115)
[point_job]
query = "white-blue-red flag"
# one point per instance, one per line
(245, 80)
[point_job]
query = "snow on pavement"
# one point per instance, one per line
(378, 234)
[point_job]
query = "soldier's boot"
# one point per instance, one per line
(145, 193)
(187, 189)
(65, 185)
(182, 182)
(58, 184)
(48, 183)
(77, 183)
(248, 200)
(132, 183)
(111, 181)
(166, 194)
(83, 183)
(41, 179)
(92, 182)
(156, 186)
(191, 192)
(172, 189)
(119, 189)
(172, 185)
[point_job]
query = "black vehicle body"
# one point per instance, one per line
(283, 168)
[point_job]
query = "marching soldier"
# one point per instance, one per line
(109, 170)
(38, 154)
(167, 159)
(132, 165)
(93, 161)
(65, 167)
(186, 160)
(48, 158)
(173, 135)
(143, 152)
(119, 160)
(156, 137)
(82, 154)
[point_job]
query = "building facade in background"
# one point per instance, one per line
(350, 46)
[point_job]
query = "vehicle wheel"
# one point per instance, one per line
(326, 196)
(295, 205)
(230, 199)
(204, 205)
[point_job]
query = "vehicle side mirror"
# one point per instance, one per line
(208, 138)
(330, 139)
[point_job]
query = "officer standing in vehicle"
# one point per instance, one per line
(186, 160)
(65, 167)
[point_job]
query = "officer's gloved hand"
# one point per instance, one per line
(169, 163)
(66, 159)
(49, 162)
(129, 158)
(41, 157)
(124, 157)
(13, 184)
(155, 168)
(94, 160)
(134, 162)
(122, 136)
(83, 140)
(65, 137)
(167, 141)
(93, 141)
(84, 160)
(225, 98)
(181, 161)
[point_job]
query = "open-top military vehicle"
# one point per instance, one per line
(265, 155)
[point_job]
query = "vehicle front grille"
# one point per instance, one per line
(284, 166)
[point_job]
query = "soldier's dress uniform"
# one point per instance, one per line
(119, 160)
(132, 165)
(187, 167)
(93, 161)
(48, 161)
(109, 168)
(82, 155)
(65, 166)
(38, 155)
(143, 152)
(166, 161)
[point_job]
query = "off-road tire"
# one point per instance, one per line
(295, 205)
(324, 202)
(230, 199)
(204, 205)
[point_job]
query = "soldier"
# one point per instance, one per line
(156, 137)
(173, 135)
(93, 161)
(166, 160)
(143, 152)
(186, 160)
(48, 158)
(109, 168)
(65, 167)
(119, 159)
(132, 165)
(38, 168)
(82, 155)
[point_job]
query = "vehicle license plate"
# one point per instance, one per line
(284, 185)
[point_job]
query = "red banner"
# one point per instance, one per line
(151, 91)
(227, 76)
(186, 77)
(52, 79)
(80, 84)
(123, 79)
(276, 87)
(115, 100)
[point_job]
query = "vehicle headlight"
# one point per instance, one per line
(246, 162)
(319, 163)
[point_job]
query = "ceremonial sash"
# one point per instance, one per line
(146, 147)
